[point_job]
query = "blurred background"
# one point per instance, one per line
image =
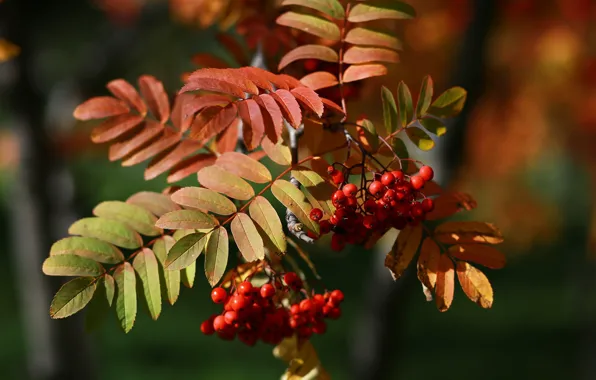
(525, 147)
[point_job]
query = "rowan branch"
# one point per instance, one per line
(294, 225)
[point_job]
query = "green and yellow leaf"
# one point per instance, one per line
(185, 251)
(247, 238)
(186, 220)
(146, 266)
(267, 220)
(71, 265)
(295, 201)
(73, 297)
(475, 284)
(90, 248)
(126, 296)
(110, 231)
(216, 255)
(204, 199)
(134, 216)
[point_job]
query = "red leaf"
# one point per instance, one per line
(180, 119)
(227, 141)
(358, 72)
(100, 107)
(150, 131)
(289, 107)
(214, 85)
(310, 99)
(318, 80)
(331, 108)
(189, 166)
(253, 127)
(125, 91)
(208, 60)
(357, 54)
(290, 81)
(167, 140)
(310, 24)
(114, 127)
(364, 36)
(200, 102)
(231, 76)
(212, 121)
(319, 52)
(164, 162)
(234, 48)
(263, 78)
(156, 97)
(273, 117)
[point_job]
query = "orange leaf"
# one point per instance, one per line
(385, 9)
(310, 99)
(244, 166)
(228, 140)
(199, 102)
(209, 60)
(428, 263)
(358, 72)
(468, 232)
(445, 283)
(475, 284)
(319, 52)
(115, 127)
(180, 119)
(357, 54)
(167, 140)
(450, 203)
(364, 36)
(162, 163)
(403, 250)
(156, 97)
(121, 149)
(257, 76)
(100, 107)
(310, 24)
(204, 200)
(189, 166)
(222, 181)
(212, 121)
(156, 203)
(484, 255)
(272, 117)
(214, 85)
(125, 91)
(331, 108)
(253, 126)
(318, 80)
(289, 107)
(230, 76)
(278, 153)
(247, 238)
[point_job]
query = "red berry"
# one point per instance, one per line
(239, 303)
(295, 309)
(398, 175)
(417, 211)
(375, 187)
(319, 327)
(387, 179)
(428, 205)
(389, 195)
(337, 296)
(427, 173)
(292, 280)
(307, 306)
(337, 177)
(231, 317)
(417, 182)
(352, 203)
(219, 295)
(338, 242)
(334, 313)
(207, 327)
(325, 226)
(319, 300)
(338, 197)
(311, 64)
(350, 190)
(219, 323)
(245, 288)
(330, 170)
(370, 206)
(267, 291)
(369, 222)
(316, 214)
(334, 220)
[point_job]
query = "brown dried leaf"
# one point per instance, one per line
(484, 255)
(428, 263)
(468, 232)
(445, 283)
(403, 250)
(475, 284)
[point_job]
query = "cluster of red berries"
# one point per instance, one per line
(390, 199)
(256, 312)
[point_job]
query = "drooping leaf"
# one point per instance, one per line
(247, 238)
(358, 54)
(244, 166)
(406, 109)
(146, 266)
(267, 219)
(434, 126)
(453, 232)
(90, 248)
(171, 278)
(389, 110)
(309, 99)
(358, 72)
(100, 107)
(204, 199)
(216, 255)
(71, 265)
(475, 284)
(110, 231)
(403, 251)
(428, 263)
(126, 295)
(222, 181)
(450, 103)
(382, 9)
(289, 107)
(156, 97)
(425, 97)
(319, 191)
(99, 306)
(126, 92)
(295, 201)
(310, 24)
(445, 283)
(72, 297)
(331, 8)
(115, 127)
(279, 153)
(186, 251)
(481, 254)
(134, 216)
(319, 52)
(365, 36)
(156, 203)
(189, 274)
(319, 80)
(420, 138)
(186, 219)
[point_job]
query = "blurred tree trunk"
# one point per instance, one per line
(377, 333)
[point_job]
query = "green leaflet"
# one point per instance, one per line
(269, 224)
(295, 200)
(450, 103)
(126, 296)
(90, 248)
(188, 275)
(146, 266)
(111, 231)
(185, 251)
(71, 265)
(406, 109)
(389, 110)
(425, 97)
(216, 255)
(134, 216)
(170, 286)
(72, 297)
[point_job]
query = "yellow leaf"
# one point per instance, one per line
(247, 238)
(302, 359)
(295, 200)
(428, 263)
(475, 284)
(403, 250)
(480, 254)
